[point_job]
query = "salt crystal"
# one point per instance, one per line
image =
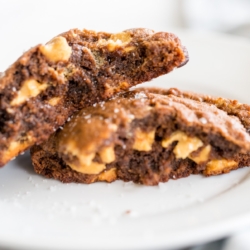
(87, 116)
(140, 95)
(203, 120)
(131, 116)
(47, 106)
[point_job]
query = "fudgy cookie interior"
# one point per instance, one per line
(146, 136)
(76, 69)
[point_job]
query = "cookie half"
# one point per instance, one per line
(147, 136)
(50, 82)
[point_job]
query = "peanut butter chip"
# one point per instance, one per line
(93, 168)
(122, 37)
(109, 175)
(220, 166)
(86, 165)
(16, 147)
(57, 49)
(54, 101)
(143, 140)
(82, 138)
(203, 155)
(110, 90)
(117, 41)
(30, 88)
(107, 154)
(185, 145)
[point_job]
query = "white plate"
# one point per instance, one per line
(38, 213)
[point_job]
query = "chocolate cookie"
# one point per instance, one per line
(50, 82)
(147, 136)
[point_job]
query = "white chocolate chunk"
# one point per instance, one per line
(57, 49)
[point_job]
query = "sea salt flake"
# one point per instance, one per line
(87, 116)
(203, 120)
(131, 116)
(140, 95)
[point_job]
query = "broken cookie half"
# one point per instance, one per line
(146, 136)
(50, 82)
